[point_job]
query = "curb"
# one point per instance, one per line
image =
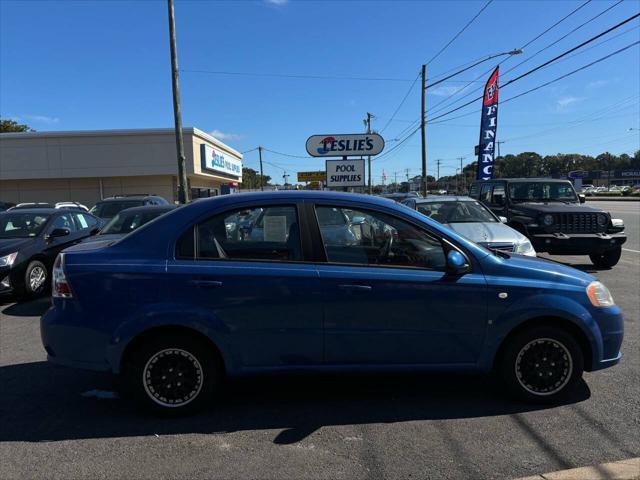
(623, 470)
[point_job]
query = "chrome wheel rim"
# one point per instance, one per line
(172, 377)
(37, 277)
(544, 366)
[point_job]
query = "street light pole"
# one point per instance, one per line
(183, 194)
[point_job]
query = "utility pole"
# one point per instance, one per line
(285, 176)
(368, 123)
(462, 174)
(395, 180)
(498, 145)
(183, 194)
(423, 90)
(261, 176)
(438, 162)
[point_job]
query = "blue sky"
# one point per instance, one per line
(67, 65)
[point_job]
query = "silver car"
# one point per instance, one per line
(472, 219)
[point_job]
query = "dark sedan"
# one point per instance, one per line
(129, 220)
(30, 240)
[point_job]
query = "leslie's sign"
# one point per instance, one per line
(216, 160)
(364, 144)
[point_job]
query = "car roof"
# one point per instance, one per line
(126, 197)
(37, 210)
(149, 208)
(444, 198)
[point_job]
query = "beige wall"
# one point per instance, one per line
(83, 190)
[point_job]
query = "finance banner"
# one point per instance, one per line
(488, 127)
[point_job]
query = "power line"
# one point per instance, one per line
(554, 25)
(564, 36)
(401, 103)
(460, 32)
(288, 154)
(557, 57)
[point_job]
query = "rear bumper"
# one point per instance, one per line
(576, 243)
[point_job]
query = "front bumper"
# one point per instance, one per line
(610, 323)
(576, 243)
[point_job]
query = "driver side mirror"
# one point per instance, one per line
(503, 219)
(582, 198)
(456, 263)
(58, 232)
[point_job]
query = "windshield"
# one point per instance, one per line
(456, 212)
(21, 225)
(542, 192)
(111, 209)
(126, 222)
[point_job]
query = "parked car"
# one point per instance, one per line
(128, 220)
(6, 205)
(108, 208)
(550, 214)
(472, 219)
(30, 240)
(72, 206)
(179, 304)
(399, 197)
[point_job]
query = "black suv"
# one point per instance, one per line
(550, 214)
(107, 208)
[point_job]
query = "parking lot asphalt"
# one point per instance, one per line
(370, 427)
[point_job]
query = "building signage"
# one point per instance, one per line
(215, 160)
(312, 176)
(365, 144)
(345, 173)
(575, 174)
(488, 127)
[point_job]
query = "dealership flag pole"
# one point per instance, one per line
(183, 196)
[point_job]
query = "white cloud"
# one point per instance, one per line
(444, 91)
(564, 102)
(38, 119)
(597, 83)
(222, 136)
(276, 2)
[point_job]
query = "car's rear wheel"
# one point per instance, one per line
(606, 259)
(35, 278)
(172, 375)
(541, 364)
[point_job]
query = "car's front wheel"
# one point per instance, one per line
(606, 259)
(35, 278)
(541, 364)
(172, 375)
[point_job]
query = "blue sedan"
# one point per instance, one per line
(182, 302)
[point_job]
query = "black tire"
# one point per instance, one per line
(607, 259)
(36, 278)
(184, 360)
(536, 353)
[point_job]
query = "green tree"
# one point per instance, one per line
(252, 179)
(7, 126)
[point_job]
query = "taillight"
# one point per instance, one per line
(60, 286)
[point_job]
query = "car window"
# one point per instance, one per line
(473, 191)
(21, 225)
(374, 238)
(126, 222)
(485, 192)
(497, 195)
(260, 233)
(84, 221)
(542, 191)
(456, 212)
(64, 221)
(112, 208)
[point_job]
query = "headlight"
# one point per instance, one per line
(525, 248)
(617, 223)
(8, 260)
(602, 220)
(599, 295)
(547, 220)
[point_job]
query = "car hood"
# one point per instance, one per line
(535, 269)
(10, 245)
(487, 232)
(557, 207)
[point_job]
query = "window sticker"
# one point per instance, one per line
(275, 228)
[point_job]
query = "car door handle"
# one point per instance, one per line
(206, 283)
(355, 288)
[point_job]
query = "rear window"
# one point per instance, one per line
(111, 209)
